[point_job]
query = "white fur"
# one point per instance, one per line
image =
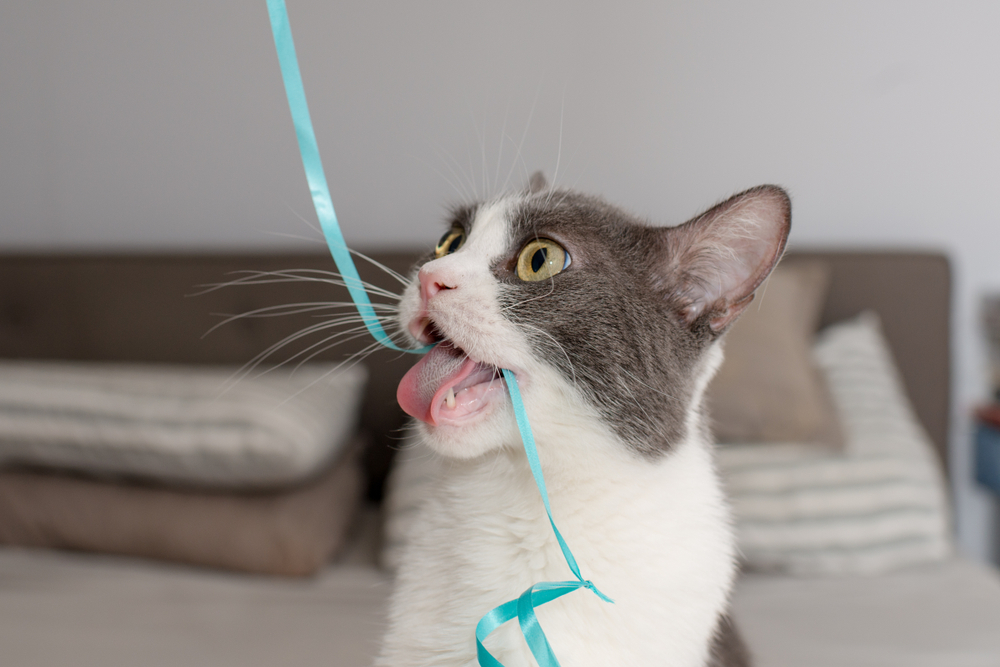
(654, 536)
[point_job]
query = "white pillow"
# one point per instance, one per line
(179, 424)
(875, 506)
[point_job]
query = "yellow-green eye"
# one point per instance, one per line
(541, 259)
(450, 242)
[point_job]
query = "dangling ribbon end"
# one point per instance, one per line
(590, 585)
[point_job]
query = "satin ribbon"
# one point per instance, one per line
(523, 608)
(309, 150)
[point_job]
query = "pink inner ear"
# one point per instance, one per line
(723, 255)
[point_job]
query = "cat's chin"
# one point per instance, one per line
(490, 430)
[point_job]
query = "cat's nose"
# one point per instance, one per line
(433, 282)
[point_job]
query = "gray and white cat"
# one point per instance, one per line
(612, 328)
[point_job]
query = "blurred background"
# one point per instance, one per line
(164, 126)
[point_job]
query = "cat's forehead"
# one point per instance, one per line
(493, 227)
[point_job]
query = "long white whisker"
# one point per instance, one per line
(558, 345)
(292, 309)
(298, 237)
(261, 357)
(555, 175)
(503, 133)
(524, 135)
(399, 277)
(308, 223)
(287, 276)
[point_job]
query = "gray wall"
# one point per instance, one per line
(164, 126)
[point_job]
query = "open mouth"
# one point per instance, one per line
(447, 387)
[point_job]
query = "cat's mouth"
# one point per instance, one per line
(447, 387)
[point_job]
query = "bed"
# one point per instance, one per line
(61, 607)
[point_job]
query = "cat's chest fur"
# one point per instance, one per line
(656, 539)
(612, 329)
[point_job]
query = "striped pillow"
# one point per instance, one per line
(875, 506)
(178, 424)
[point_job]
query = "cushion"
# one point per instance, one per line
(188, 425)
(768, 388)
(876, 506)
(291, 532)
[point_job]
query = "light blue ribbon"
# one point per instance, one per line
(317, 179)
(523, 608)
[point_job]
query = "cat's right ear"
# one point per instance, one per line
(717, 260)
(537, 183)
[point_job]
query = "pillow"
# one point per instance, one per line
(291, 532)
(878, 505)
(188, 425)
(768, 388)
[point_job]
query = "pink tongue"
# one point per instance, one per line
(427, 383)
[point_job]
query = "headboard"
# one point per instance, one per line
(138, 308)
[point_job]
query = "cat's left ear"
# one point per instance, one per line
(717, 260)
(537, 183)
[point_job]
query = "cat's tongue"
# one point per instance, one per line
(446, 387)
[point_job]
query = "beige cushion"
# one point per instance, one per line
(290, 532)
(877, 505)
(768, 388)
(191, 425)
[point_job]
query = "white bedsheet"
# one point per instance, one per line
(941, 615)
(60, 609)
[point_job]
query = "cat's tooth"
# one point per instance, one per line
(450, 397)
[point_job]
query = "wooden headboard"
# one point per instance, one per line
(138, 308)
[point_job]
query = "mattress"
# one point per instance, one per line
(61, 609)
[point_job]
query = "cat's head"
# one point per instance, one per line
(607, 322)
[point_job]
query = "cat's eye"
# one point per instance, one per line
(541, 259)
(450, 242)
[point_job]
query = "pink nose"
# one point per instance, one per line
(431, 283)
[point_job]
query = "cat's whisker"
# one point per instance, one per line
(464, 179)
(258, 359)
(394, 274)
(293, 309)
(552, 288)
(293, 275)
(555, 174)
(340, 337)
(308, 223)
(297, 237)
(503, 133)
(569, 361)
(520, 145)
(462, 194)
(357, 357)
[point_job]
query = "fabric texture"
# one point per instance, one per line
(84, 610)
(877, 506)
(933, 615)
(768, 388)
(291, 532)
(181, 424)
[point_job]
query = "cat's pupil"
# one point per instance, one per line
(455, 242)
(538, 259)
